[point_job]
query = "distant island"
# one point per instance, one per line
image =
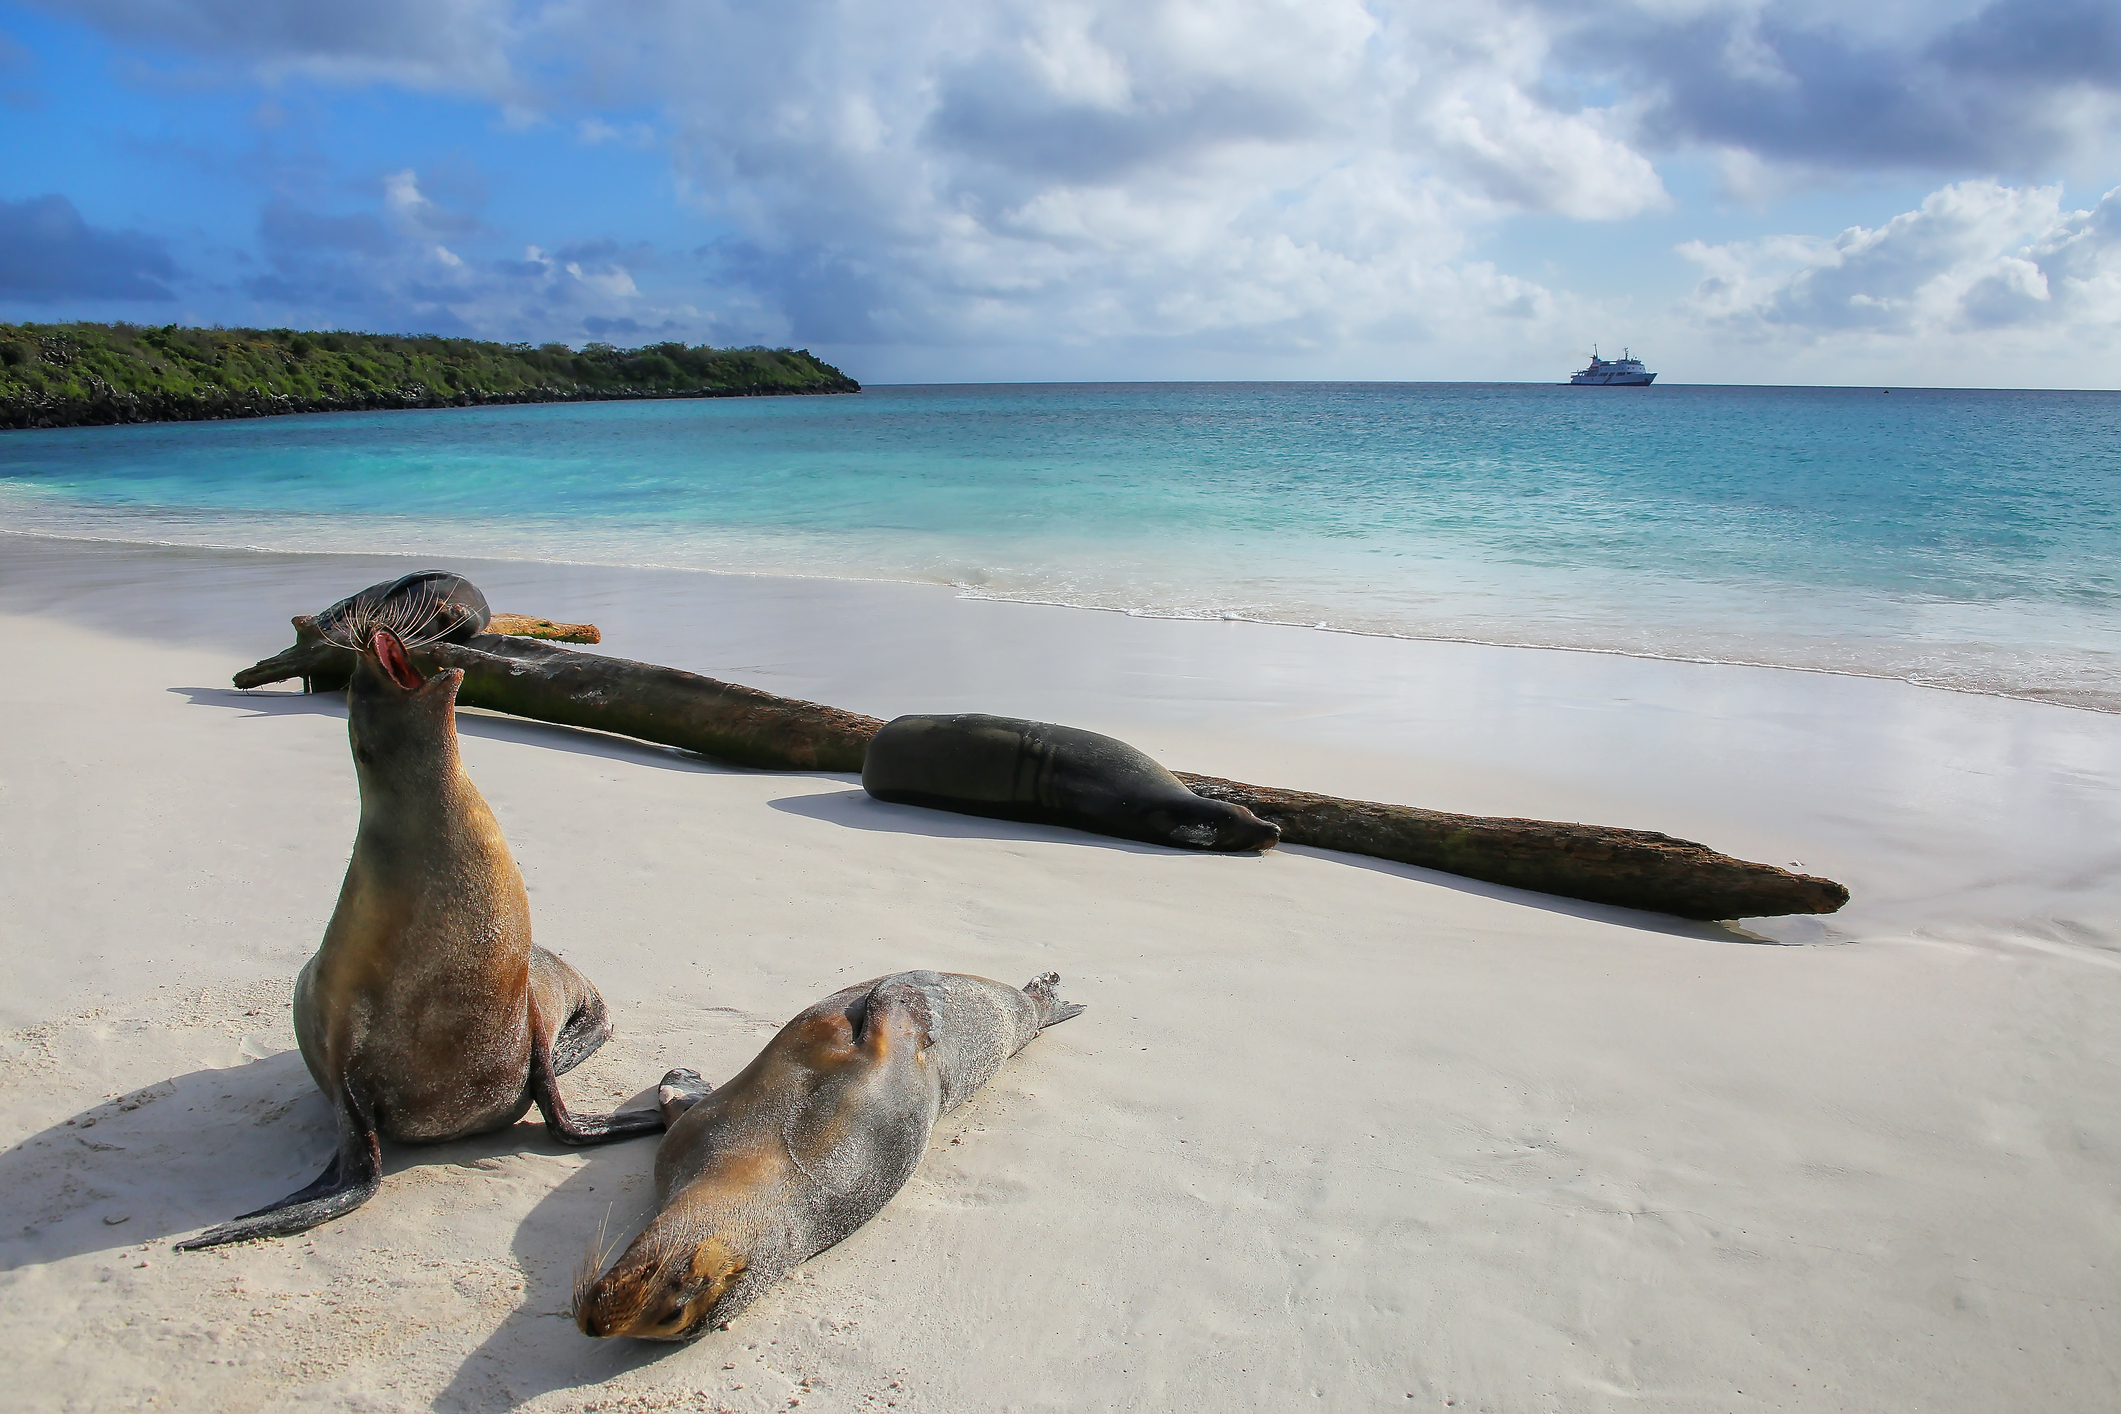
(90, 375)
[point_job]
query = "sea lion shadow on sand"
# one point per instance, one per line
(858, 810)
(155, 1162)
(535, 1349)
(148, 1165)
(265, 704)
(604, 1203)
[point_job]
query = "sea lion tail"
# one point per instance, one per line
(1045, 991)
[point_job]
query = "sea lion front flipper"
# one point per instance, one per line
(566, 1127)
(857, 1130)
(348, 1181)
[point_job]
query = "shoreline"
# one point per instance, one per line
(1331, 1129)
(1817, 537)
(972, 592)
(2103, 704)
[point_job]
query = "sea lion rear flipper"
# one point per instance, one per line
(348, 1181)
(568, 993)
(563, 1125)
(680, 1091)
(1044, 990)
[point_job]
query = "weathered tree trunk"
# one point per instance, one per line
(1600, 863)
(527, 678)
(323, 667)
(719, 719)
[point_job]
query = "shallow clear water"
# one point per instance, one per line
(1960, 539)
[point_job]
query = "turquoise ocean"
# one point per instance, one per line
(1967, 540)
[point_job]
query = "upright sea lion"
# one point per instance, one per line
(1011, 769)
(427, 1014)
(807, 1144)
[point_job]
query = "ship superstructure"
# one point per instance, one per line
(1623, 372)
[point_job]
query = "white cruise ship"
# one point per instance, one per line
(1623, 372)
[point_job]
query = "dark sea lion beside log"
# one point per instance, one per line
(1008, 768)
(806, 1144)
(426, 606)
(452, 608)
(447, 607)
(427, 1013)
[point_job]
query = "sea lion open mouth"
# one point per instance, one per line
(391, 654)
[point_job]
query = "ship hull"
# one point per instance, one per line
(1613, 380)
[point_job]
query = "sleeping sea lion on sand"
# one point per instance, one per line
(806, 1145)
(1011, 769)
(427, 1014)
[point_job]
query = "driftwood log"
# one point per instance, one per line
(720, 719)
(1597, 863)
(527, 678)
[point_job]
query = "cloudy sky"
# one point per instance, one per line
(969, 190)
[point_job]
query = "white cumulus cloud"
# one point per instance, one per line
(1264, 173)
(1976, 257)
(1001, 171)
(1149, 186)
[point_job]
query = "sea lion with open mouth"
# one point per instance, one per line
(806, 1145)
(427, 1014)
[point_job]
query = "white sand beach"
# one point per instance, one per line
(1333, 1133)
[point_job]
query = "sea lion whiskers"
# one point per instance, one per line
(592, 1262)
(668, 1282)
(412, 614)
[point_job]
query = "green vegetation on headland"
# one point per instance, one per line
(82, 375)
